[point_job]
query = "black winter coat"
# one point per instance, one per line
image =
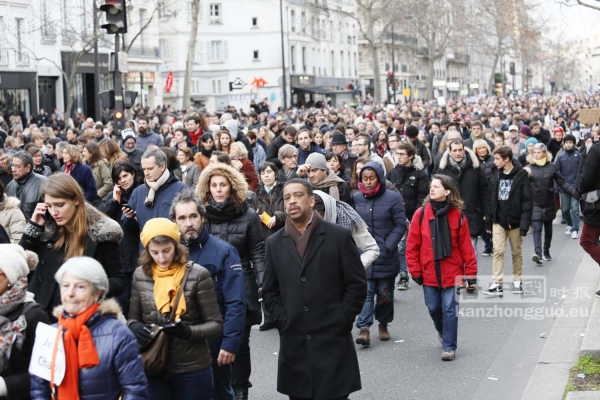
(422, 152)
(314, 302)
(519, 200)
(590, 180)
(273, 150)
(487, 164)
(272, 204)
(102, 244)
(412, 184)
(473, 187)
(240, 227)
(542, 180)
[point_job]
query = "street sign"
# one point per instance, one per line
(169, 82)
(406, 92)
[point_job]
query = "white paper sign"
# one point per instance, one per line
(441, 101)
(41, 357)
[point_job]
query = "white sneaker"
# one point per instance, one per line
(574, 235)
(568, 231)
(517, 287)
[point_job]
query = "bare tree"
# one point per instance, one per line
(187, 80)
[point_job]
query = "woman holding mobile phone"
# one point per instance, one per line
(188, 371)
(72, 228)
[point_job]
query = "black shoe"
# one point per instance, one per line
(547, 256)
(487, 254)
(267, 326)
(537, 259)
(241, 394)
(402, 285)
(598, 293)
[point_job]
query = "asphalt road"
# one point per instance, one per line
(497, 348)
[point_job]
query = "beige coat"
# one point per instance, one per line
(11, 218)
(104, 182)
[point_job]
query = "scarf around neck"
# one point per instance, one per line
(457, 165)
(166, 286)
(12, 333)
(369, 193)
(331, 181)
(80, 350)
(541, 162)
(154, 186)
(23, 180)
(69, 167)
(206, 153)
(441, 235)
(302, 239)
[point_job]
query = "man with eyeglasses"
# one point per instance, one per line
(363, 149)
(389, 158)
(288, 136)
(26, 184)
(411, 180)
(310, 122)
(462, 165)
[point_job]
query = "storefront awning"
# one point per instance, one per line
(318, 90)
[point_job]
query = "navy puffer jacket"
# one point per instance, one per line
(120, 370)
(384, 214)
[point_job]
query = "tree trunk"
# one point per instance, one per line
(376, 73)
(187, 82)
(430, 77)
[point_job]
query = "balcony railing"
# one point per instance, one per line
(144, 52)
(22, 58)
(48, 34)
(68, 36)
(422, 52)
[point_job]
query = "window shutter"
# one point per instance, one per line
(200, 52)
(225, 54)
(207, 58)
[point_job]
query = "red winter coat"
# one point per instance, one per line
(419, 250)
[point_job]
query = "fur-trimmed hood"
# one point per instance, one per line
(417, 162)
(107, 307)
(531, 161)
(9, 202)
(471, 153)
(100, 227)
(239, 187)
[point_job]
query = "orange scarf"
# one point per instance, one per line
(80, 351)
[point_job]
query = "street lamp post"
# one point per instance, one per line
(283, 82)
(393, 66)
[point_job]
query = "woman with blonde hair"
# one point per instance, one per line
(83, 174)
(224, 140)
(239, 159)
(266, 135)
(65, 226)
(100, 169)
(486, 161)
(111, 153)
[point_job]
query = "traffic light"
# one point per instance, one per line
(390, 78)
(512, 69)
(116, 16)
(119, 121)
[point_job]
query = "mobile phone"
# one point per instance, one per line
(127, 206)
(47, 216)
(171, 325)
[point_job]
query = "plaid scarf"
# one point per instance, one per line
(11, 332)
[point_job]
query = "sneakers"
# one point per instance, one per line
(384, 334)
(363, 337)
(449, 355)
(517, 287)
(568, 230)
(547, 256)
(487, 254)
(574, 235)
(537, 259)
(402, 285)
(494, 290)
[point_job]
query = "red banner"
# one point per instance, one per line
(169, 82)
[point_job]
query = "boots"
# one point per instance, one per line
(241, 394)
(383, 332)
(363, 337)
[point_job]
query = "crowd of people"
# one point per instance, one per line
(155, 249)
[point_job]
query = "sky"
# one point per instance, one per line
(572, 23)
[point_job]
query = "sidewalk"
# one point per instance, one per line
(569, 337)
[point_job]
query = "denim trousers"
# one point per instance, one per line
(570, 210)
(487, 239)
(474, 241)
(443, 308)
(402, 255)
(537, 236)
(222, 381)
(383, 309)
(196, 385)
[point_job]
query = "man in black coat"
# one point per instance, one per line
(314, 285)
(462, 165)
(590, 182)
(412, 132)
(288, 136)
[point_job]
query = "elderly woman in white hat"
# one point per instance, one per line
(19, 317)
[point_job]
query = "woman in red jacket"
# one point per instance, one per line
(439, 253)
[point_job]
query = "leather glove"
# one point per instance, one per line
(142, 332)
(523, 232)
(472, 282)
(180, 330)
(418, 280)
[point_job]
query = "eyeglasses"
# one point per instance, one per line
(292, 157)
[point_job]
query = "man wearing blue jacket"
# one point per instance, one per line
(223, 262)
(152, 199)
(567, 163)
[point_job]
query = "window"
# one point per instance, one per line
(303, 22)
(162, 48)
(342, 62)
(142, 35)
(304, 59)
(216, 86)
(332, 62)
(254, 22)
(20, 54)
(293, 20)
(256, 58)
(293, 58)
(65, 19)
(215, 13)
(216, 51)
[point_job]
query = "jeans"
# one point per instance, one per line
(242, 366)
(499, 235)
(474, 241)
(196, 385)
(383, 310)
(487, 239)
(537, 236)
(222, 381)
(589, 241)
(443, 308)
(570, 210)
(402, 257)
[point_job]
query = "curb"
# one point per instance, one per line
(583, 396)
(561, 351)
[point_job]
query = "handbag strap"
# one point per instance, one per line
(188, 268)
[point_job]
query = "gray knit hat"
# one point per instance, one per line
(316, 160)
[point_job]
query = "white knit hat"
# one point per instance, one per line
(16, 262)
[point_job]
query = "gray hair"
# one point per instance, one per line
(89, 270)
(159, 156)
(239, 146)
(59, 147)
(287, 150)
(186, 196)
(25, 157)
(540, 146)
